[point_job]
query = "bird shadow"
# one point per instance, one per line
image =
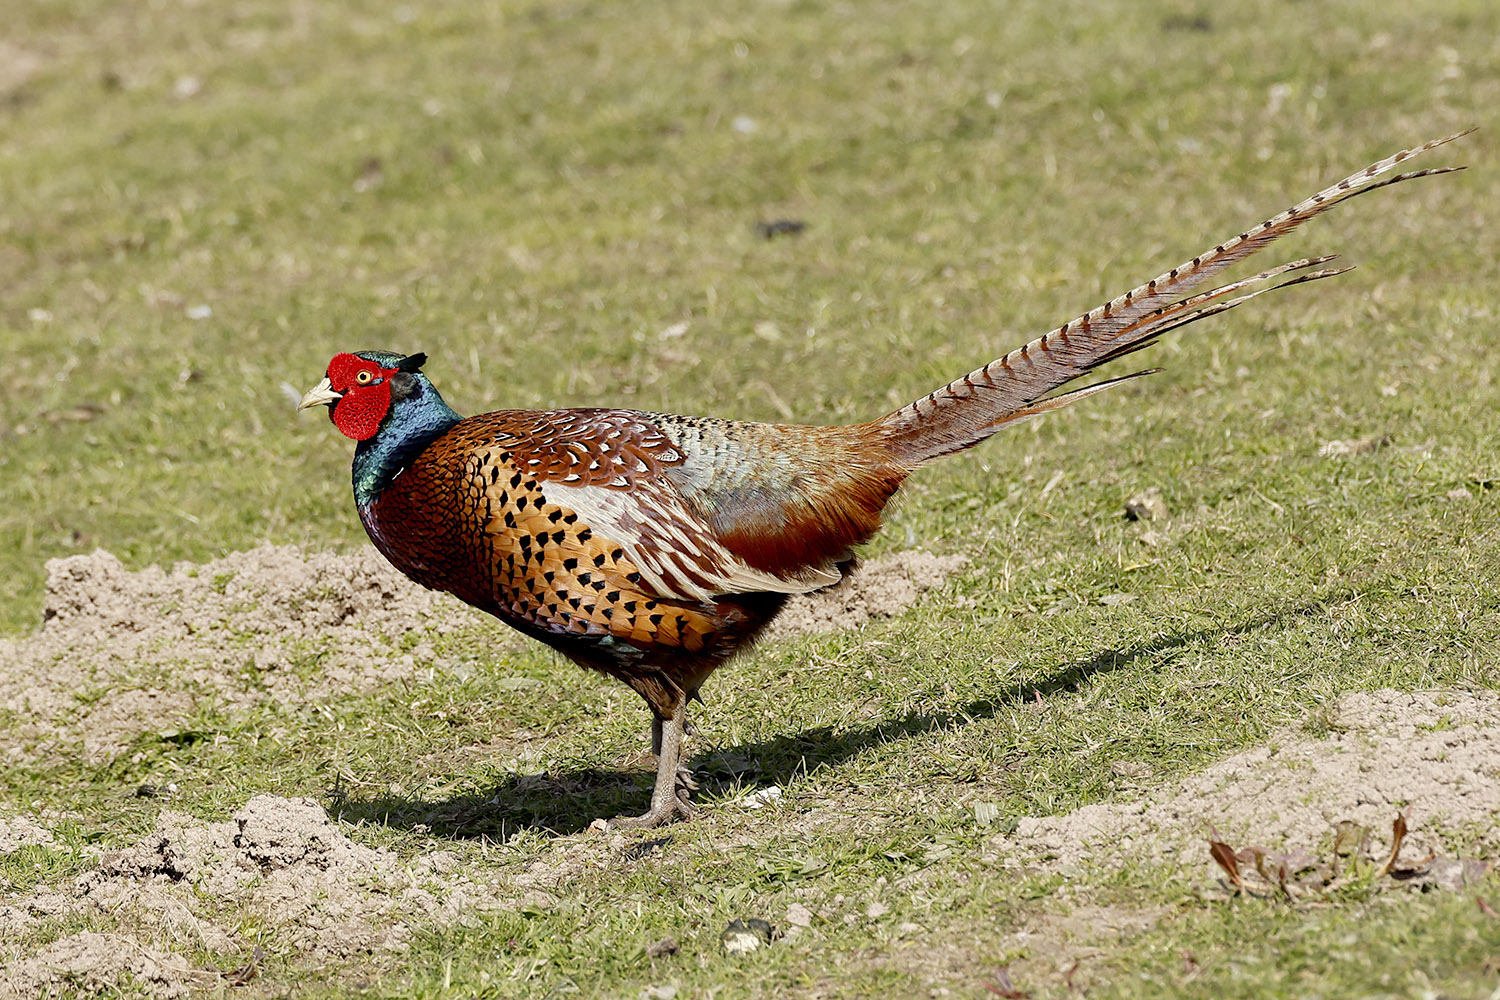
(561, 803)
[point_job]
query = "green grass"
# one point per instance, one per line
(534, 193)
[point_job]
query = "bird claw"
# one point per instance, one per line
(678, 806)
(671, 798)
(686, 786)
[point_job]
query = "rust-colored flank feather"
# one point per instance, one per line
(595, 532)
(654, 547)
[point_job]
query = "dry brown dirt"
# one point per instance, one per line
(122, 653)
(878, 589)
(1434, 755)
(278, 865)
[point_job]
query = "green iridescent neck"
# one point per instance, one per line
(418, 417)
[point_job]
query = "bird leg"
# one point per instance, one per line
(674, 781)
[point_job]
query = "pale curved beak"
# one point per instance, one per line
(321, 394)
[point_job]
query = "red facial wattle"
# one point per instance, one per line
(366, 389)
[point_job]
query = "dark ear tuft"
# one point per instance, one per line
(403, 384)
(411, 363)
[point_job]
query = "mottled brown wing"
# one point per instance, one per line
(554, 569)
(607, 469)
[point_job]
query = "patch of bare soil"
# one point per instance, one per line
(1435, 755)
(122, 652)
(279, 868)
(879, 589)
(105, 964)
(17, 832)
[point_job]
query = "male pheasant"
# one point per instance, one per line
(654, 547)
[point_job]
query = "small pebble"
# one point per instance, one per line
(763, 797)
(739, 939)
(1358, 446)
(744, 936)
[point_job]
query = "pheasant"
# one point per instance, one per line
(654, 547)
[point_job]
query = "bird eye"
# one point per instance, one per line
(363, 378)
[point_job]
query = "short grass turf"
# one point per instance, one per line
(200, 203)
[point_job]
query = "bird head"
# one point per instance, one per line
(359, 389)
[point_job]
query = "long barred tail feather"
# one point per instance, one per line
(1205, 304)
(970, 409)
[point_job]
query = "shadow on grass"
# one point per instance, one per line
(566, 802)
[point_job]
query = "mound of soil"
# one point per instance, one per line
(1435, 755)
(102, 964)
(122, 653)
(278, 864)
(879, 589)
(17, 832)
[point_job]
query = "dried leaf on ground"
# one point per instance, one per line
(1225, 856)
